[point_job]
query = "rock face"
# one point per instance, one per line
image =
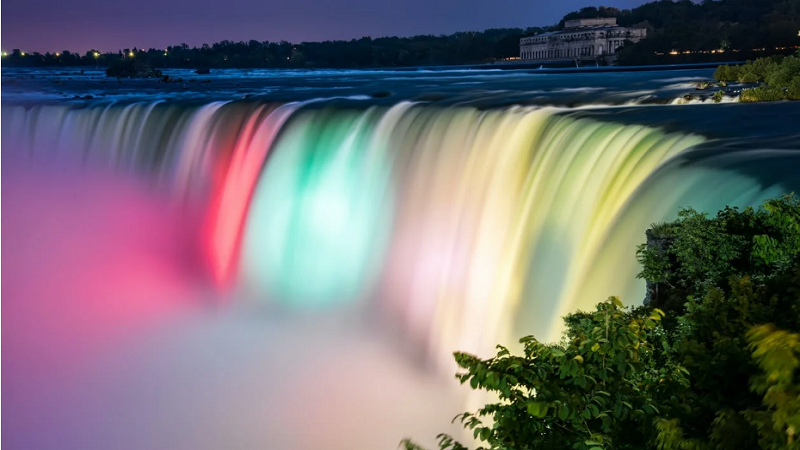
(660, 243)
(130, 68)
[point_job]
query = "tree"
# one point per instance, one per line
(602, 388)
(689, 256)
(718, 278)
(777, 354)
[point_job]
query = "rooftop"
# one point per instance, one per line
(591, 23)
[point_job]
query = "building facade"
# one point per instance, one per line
(580, 39)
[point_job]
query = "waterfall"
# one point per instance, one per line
(460, 228)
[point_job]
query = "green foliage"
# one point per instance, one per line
(793, 89)
(762, 94)
(727, 73)
(721, 276)
(601, 390)
(697, 252)
(781, 75)
(777, 354)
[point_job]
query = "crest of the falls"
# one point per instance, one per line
(461, 228)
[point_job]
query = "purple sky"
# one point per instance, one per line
(78, 25)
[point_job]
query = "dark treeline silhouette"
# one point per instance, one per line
(684, 31)
(678, 32)
(458, 48)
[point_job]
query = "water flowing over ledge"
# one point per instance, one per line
(447, 228)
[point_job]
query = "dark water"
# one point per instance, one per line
(466, 87)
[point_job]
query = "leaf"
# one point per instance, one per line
(578, 358)
(537, 409)
(628, 405)
(563, 412)
(596, 347)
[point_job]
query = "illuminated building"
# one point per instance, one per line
(580, 39)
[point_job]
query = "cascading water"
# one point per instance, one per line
(455, 228)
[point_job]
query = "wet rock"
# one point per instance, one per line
(130, 68)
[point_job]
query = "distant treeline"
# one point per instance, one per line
(678, 32)
(458, 48)
(685, 31)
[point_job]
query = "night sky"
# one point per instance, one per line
(79, 25)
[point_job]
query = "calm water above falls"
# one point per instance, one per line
(190, 268)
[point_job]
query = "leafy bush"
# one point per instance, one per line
(727, 73)
(602, 389)
(762, 94)
(703, 252)
(781, 75)
(793, 90)
(777, 354)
